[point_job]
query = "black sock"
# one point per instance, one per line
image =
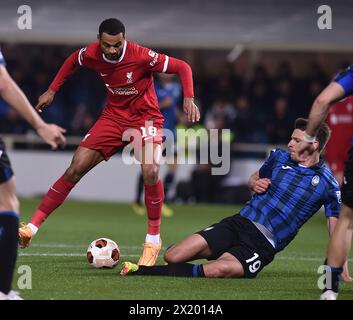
(332, 277)
(139, 189)
(8, 248)
(174, 270)
(168, 181)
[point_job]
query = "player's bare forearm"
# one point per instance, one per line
(321, 106)
(15, 97)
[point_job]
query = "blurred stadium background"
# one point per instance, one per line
(257, 66)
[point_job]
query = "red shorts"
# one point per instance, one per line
(109, 135)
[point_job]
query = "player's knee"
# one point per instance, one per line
(151, 174)
(75, 172)
(172, 255)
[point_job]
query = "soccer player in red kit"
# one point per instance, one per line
(127, 71)
(340, 121)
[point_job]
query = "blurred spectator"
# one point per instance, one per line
(220, 109)
(280, 127)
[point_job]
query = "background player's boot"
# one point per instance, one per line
(25, 235)
(167, 211)
(139, 209)
(329, 295)
(128, 267)
(149, 254)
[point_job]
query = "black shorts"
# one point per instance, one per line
(6, 171)
(347, 185)
(239, 237)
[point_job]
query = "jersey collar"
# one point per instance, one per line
(121, 57)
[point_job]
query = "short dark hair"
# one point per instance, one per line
(111, 26)
(322, 136)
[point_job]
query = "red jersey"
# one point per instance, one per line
(129, 80)
(340, 121)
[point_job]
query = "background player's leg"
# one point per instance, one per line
(339, 247)
(168, 182)
(154, 197)
(9, 208)
(83, 161)
(137, 206)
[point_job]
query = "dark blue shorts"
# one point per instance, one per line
(6, 171)
(347, 185)
(239, 237)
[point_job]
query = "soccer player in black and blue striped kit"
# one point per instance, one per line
(340, 242)
(9, 205)
(288, 190)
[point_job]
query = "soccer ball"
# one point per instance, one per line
(103, 253)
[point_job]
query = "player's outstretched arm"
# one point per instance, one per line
(321, 106)
(14, 96)
(184, 72)
(68, 67)
(318, 113)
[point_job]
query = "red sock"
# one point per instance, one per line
(154, 197)
(53, 199)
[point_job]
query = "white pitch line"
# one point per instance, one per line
(58, 245)
(283, 258)
(65, 255)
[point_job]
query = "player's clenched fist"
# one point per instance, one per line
(44, 100)
(191, 109)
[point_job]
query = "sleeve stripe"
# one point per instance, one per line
(165, 67)
(80, 56)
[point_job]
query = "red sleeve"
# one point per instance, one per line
(183, 70)
(69, 66)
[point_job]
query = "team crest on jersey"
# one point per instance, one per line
(315, 181)
(338, 195)
(129, 77)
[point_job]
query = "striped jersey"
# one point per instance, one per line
(295, 194)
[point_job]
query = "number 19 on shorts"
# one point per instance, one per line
(253, 263)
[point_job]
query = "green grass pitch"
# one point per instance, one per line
(60, 269)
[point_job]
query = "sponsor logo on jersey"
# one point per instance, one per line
(286, 167)
(122, 91)
(315, 181)
(338, 195)
(155, 56)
